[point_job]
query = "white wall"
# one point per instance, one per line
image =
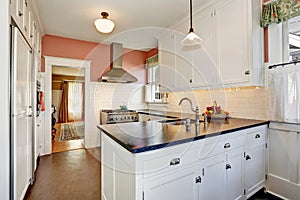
(111, 96)
(4, 100)
(245, 102)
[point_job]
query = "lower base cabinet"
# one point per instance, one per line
(223, 176)
(175, 185)
(232, 169)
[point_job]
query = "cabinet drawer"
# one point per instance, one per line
(256, 138)
(222, 146)
(170, 158)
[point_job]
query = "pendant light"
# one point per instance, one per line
(103, 24)
(191, 38)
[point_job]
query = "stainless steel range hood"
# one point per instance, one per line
(117, 74)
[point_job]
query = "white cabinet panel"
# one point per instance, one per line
(283, 156)
(214, 178)
(174, 186)
(232, 34)
(254, 168)
(234, 174)
(167, 62)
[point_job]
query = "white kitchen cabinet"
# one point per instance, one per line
(22, 14)
(255, 162)
(232, 37)
(205, 56)
(231, 53)
(212, 168)
(223, 173)
(166, 54)
(175, 185)
(234, 174)
(214, 178)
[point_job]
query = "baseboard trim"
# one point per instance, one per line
(282, 188)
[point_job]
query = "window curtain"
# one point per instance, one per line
(284, 84)
(152, 61)
(280, 11)
(63, 110)
(75, 101)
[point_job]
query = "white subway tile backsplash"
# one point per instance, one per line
(247, 102)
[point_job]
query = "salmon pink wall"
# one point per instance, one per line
(152, 52)
(99, 54)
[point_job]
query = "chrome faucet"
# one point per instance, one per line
(196, 110)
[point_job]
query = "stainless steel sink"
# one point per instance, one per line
(177, 121)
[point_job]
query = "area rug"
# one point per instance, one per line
(71, 131)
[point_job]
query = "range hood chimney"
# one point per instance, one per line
(117, 74)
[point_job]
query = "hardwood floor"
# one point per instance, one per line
(61, 146)
(70, 175)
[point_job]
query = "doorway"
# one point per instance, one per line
(67, 108)
(65, 118)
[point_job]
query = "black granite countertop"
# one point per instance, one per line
(138, 137)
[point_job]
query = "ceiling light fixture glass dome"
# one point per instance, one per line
(103, 24)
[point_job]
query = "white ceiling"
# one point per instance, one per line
(137, 21)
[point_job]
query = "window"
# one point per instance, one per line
(293, 35)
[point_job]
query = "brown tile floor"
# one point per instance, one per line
(71, 175)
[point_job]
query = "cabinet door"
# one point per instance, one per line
(234, 174)
(232, 37)
(214, 178)
(254, 168)
(205, 56)
(26, 18)
(176, 186)
(184, 65)
(167, 61)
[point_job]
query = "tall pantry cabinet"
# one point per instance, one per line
(25, 56)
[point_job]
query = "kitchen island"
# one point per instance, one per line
(156, 160)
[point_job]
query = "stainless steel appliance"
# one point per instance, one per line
(118, 116)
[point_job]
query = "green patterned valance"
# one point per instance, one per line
(280, 11)
(152, 61)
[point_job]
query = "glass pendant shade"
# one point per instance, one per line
(103, 24)
(191, 39)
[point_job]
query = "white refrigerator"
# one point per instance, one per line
(21, 115)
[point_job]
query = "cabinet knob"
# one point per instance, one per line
(198, 179)
(175, 161)
(20, 14)
(228, 166)
(248, 157)
(227, 145)
(257, 136)
(247, 72)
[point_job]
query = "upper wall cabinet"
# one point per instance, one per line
(21, 13)
(231, 52)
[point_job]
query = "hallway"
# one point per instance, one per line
(68, 175)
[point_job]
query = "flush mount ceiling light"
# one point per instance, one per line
(103, 24)
(191, 38)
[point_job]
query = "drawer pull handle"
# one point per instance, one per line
(248, 157)
(228, 166)
(257, 136)
(227, 145)
(175, 161)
